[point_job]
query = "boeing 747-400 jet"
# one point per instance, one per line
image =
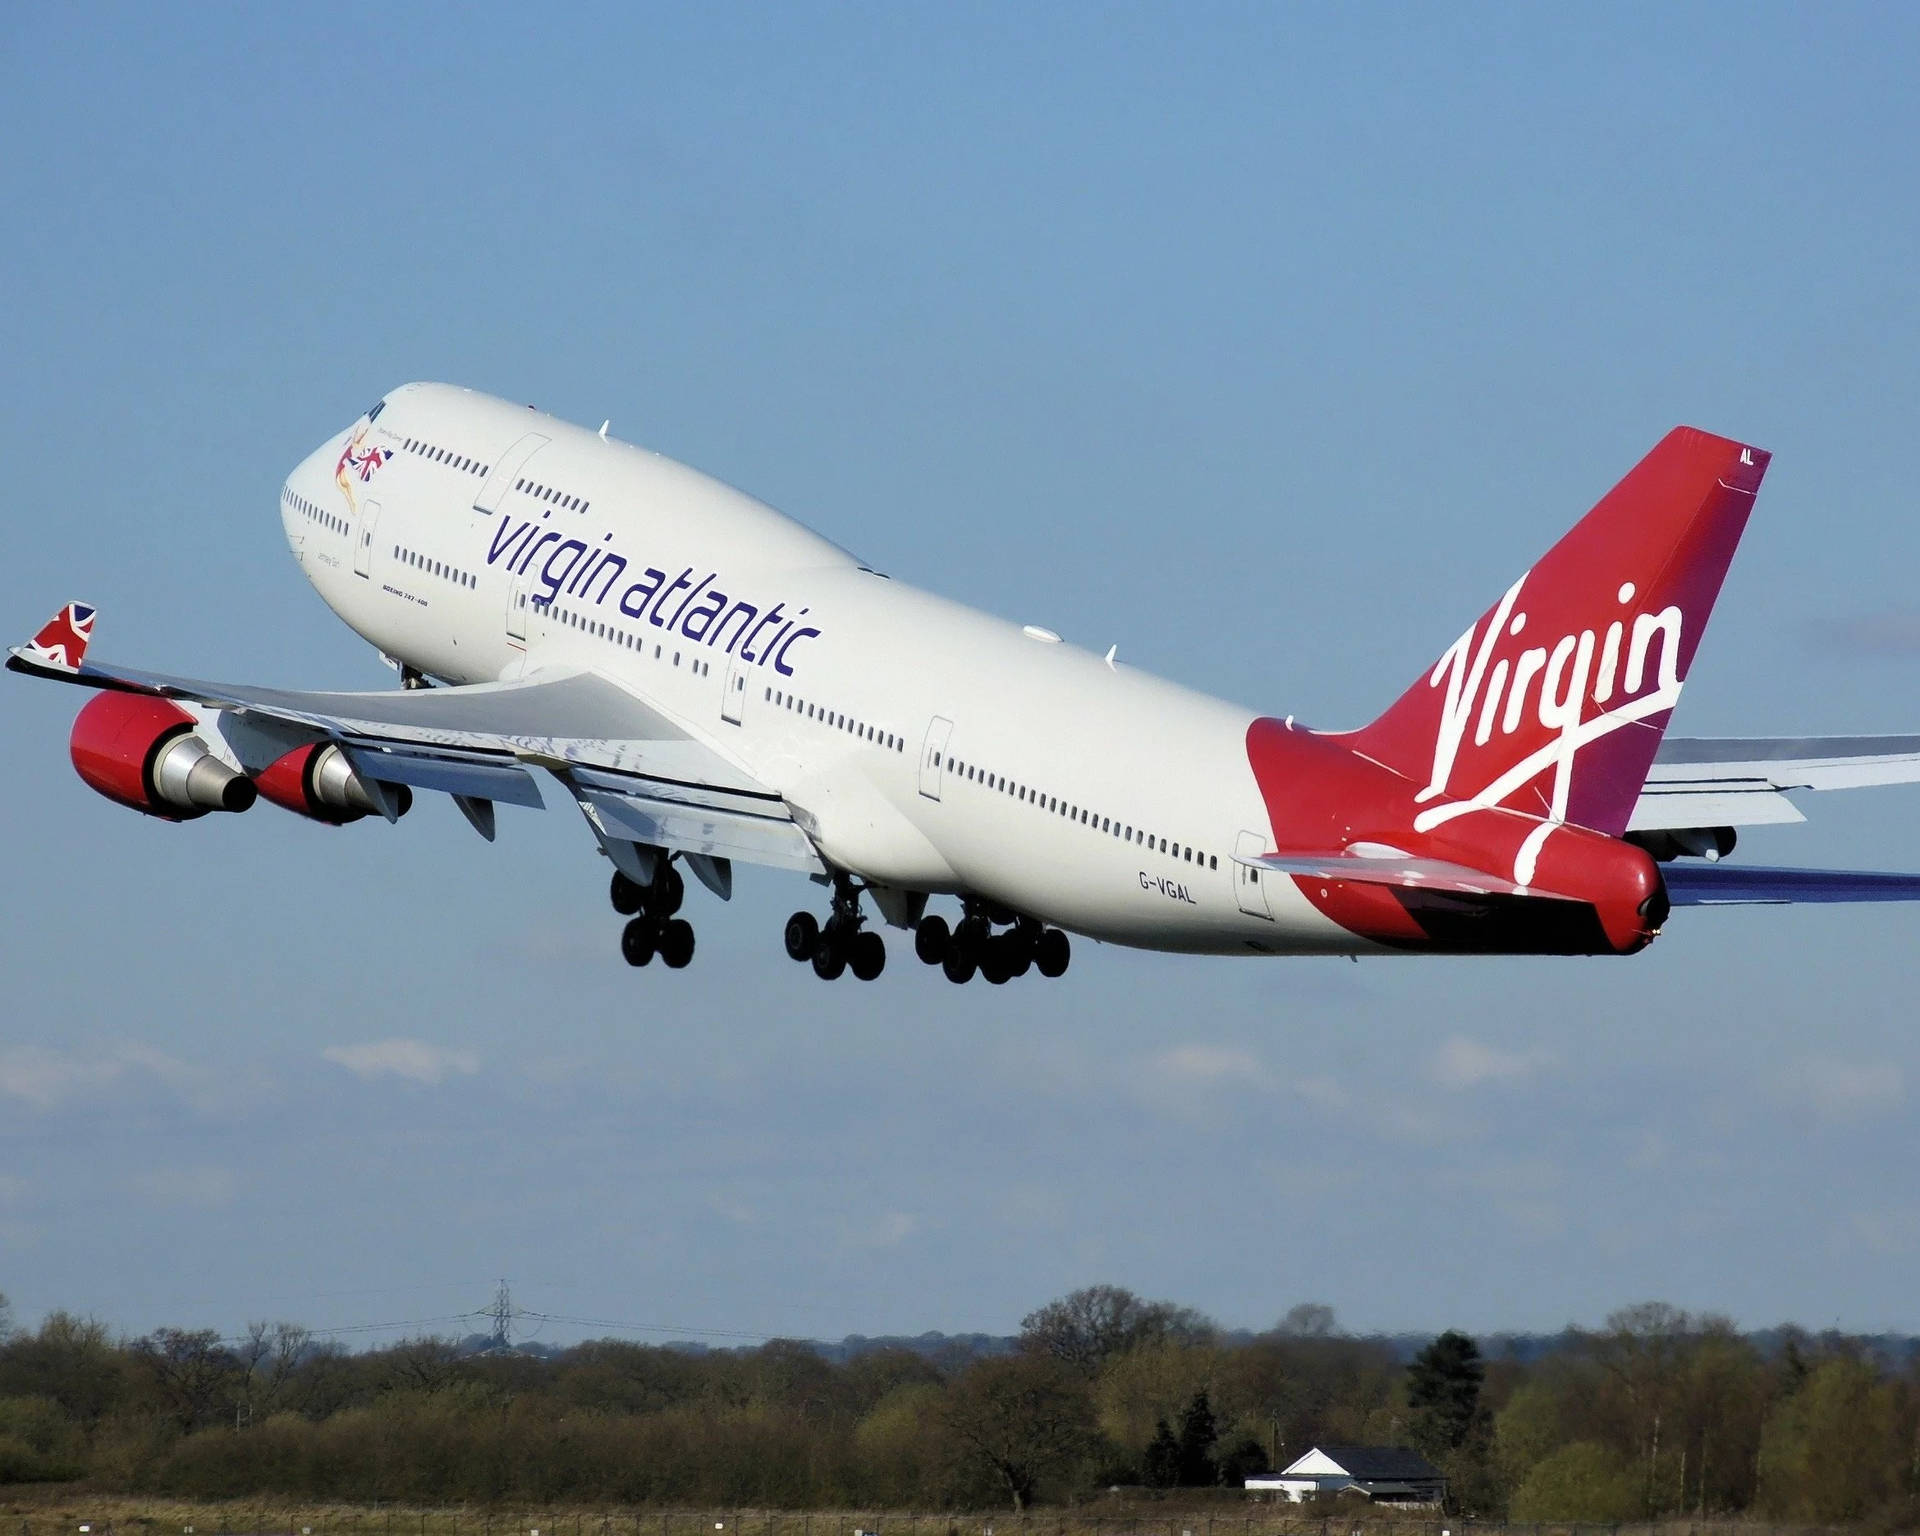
(712, 684)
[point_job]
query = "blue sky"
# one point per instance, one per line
(1267, 343)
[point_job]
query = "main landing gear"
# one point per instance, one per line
(842, 944)
(654, 930)
(972, 946)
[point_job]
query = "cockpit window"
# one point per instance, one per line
(374, 414)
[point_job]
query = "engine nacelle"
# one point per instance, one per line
(141, 751)
(317, 781)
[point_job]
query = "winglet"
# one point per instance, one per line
(62, 641)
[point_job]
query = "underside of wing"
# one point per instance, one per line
(638, 776)
(1727, 885)
(1747, 781)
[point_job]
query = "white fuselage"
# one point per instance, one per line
(924, 745)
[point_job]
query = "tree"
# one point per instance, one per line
(1641, 1351)
(1160, 1466)
(428, 1364)
(1830, 1452)
(1026, 1418)
(269, 1358)
(6, 1318)
(1582, 1481)
(1089, 1327)
(1308, 1320)
(1198, 1436)
(191, 1373)
(1443, 1390)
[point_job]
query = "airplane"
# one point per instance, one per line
(713, 684)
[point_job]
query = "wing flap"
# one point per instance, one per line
(469, 777)
(705, 830)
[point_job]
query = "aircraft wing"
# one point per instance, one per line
(636, 775)
(1747, 781)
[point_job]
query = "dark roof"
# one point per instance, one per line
(1373, 1462)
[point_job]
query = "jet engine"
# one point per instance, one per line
(142, 752)
(318, 782)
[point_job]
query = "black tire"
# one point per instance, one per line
(639, 939)
(1052, 953)
(972, 936)
(802, 936)
(676, 943)
(667, 892)
(959, 965)
(867, 955)
(932, 940)
(626, 895)
(1018, 954)
(993, 963)
(829, 960)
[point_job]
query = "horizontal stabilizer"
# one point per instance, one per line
(1392, 868)
(1727, 885)
(1745, 781)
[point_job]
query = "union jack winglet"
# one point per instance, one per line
(63, 642)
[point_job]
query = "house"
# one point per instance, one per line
(1387, 1474)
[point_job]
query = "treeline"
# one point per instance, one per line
(1656, 1414)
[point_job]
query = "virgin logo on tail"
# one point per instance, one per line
(1549, 688)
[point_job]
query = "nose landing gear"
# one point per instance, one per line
(653, 929)
(973, 948)
(842, 944)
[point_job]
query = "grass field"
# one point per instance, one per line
(68, 1510)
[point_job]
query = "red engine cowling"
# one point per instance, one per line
(317, 781)
(141, 751)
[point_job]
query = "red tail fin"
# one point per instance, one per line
(1555, 701)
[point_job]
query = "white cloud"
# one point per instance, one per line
(414, 1060)
(1462, 1063)
(46, 1078)
(205, 1187)
(1207, 1064)
(1842, 1091)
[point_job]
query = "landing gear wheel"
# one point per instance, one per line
(972, 936)
(639, 939)
(667, 892)
(802, 936)
(1018, 951)
(867, 955)
(958, 965)
(626, 895)
(931, 940)
(993, 963)
(829, 960)
(676, 943)
(1051, 952)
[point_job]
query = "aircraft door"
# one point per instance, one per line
(363, 545)
(1246, 881)
(933, 757)
(506, 470)
(517, 610)
(735, 696)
